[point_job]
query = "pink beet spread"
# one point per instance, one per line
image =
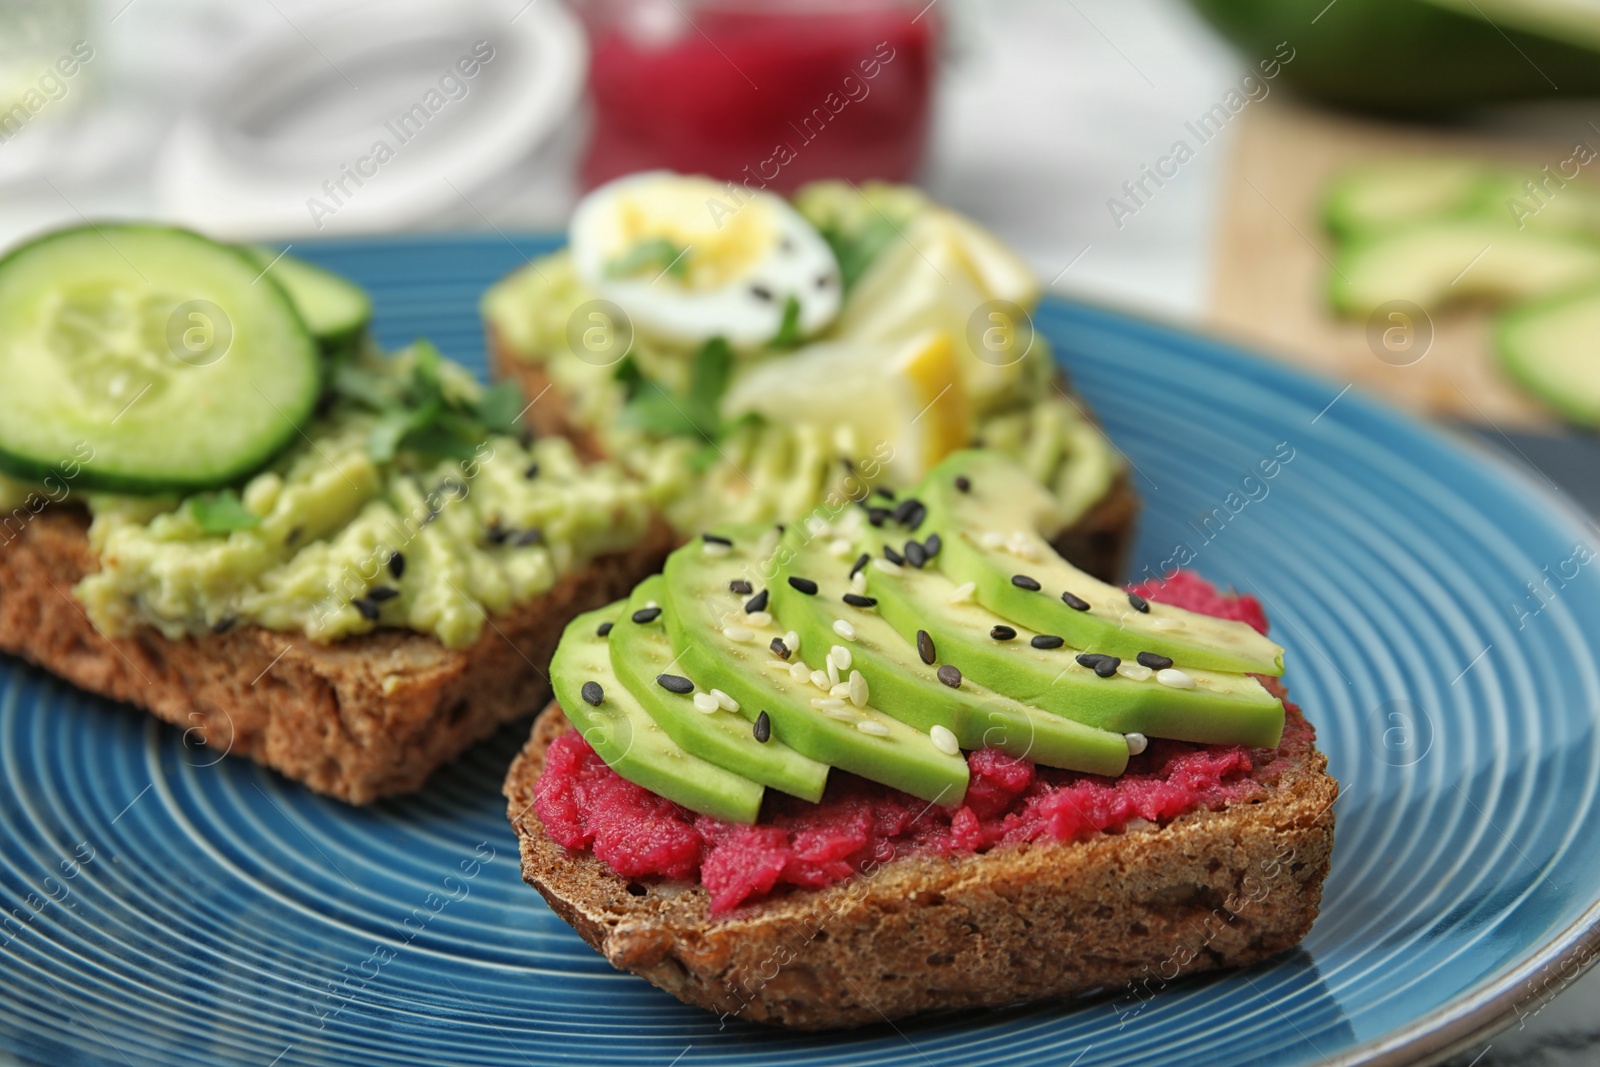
(584, 804)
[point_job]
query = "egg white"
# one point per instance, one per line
(742, 261)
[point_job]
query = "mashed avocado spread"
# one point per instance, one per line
(721, 467)
(337, 538)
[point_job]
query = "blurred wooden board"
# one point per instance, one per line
(1272, 263)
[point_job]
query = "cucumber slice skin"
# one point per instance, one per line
(299, 366)
(1540, 371)
(334, 308)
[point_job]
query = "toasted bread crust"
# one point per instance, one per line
(1099, 542)
(362, 718)
(1125, 913)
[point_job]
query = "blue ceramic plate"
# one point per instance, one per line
(166, 908)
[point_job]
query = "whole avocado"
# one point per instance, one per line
(1405, 56)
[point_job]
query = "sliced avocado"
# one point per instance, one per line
(1002, 509)
(1221, 709)
(910, 689)
(1548, 347)
(641, 651)
(717, 643)
(628, 739)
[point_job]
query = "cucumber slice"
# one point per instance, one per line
(335, 309)
(1549, 348)
(1380, 196)
(146, 355)
(1441, 263)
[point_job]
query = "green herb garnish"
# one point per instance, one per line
(788, 335)
(222, 513)
(656, 255)
(654, 409)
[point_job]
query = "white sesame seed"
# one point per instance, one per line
(858, 689)
(1135, 672)
(715, 549)
(827, 703)
(724, 701)
(817, 525)
(841, 714)
(962, 593)
(1021, 545)
(799, 671)
(944, 740)
(1137, 743)
(791, 641)
(740, 634)
(992, 539)
(778, 664)
(887, 566)
(651, 604)
(840, 547)
(833, 672)
(820, 679)
(1163, 622)
(1175, 678)
(844, 629)
(841, 690)
(858, 582)
(840, 656)
(872, 729)
(707, 703)
(759, 619)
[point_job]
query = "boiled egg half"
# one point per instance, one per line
(689, 259)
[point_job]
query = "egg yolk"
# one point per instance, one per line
(720, 239)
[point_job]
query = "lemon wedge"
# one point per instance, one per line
(908, 394)
(953, 275)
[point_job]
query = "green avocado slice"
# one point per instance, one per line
(1220, 709)
(717, 643)
(628, 739)
(1003, 510)
(641, 651)
(910, 690)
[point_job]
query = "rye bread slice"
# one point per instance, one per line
(1099, 542)
(359, 719)
(1120, 913)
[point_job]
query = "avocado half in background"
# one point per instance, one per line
(1414, 56)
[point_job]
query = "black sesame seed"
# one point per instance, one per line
(367, 608)
(604, 630)
(963, 483)
(925, 647)
(916, 555)
(528, 537)
(762, 728)
(716, 539)
(932, 545)
(531, 471)
(1139, 603)
(761, 292)
(1046, 641)
(644, 615)
(780, 528)
(914, 520)
(885, 492)
(824, 281)
(891, 555)
(1022, 581)
(906, 508)
(757, 602)
(674, 683)
(592, 694)
(1002, 633)
(856, 600)
(805, 585)
(1154, 661)
(496, 534)
(379, 593)
(1075, 602)
(779, 649)
(397, 564)
(295, 534)
(1090, 659)
(861, 561)
(949, 675)
(877, 516)
(224, 624)
(740, 586)
(1107, 666)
